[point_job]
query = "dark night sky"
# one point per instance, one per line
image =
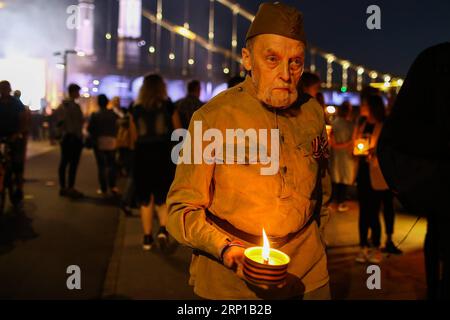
(407, 27)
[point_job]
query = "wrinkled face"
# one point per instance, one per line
(276, 64)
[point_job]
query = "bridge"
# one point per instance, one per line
(185, 39)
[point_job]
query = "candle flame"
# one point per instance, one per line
(266, 247)
(360, 146)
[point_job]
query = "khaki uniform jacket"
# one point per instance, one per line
(281, 203)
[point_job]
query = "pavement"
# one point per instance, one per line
(52, 233)
(136, 274)
(402, 277)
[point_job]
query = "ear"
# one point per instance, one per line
(246, 59)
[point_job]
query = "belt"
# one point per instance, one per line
(275, 242)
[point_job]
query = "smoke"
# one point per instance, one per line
(34, 28)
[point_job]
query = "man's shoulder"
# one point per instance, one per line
(223, 102)
(313, 107)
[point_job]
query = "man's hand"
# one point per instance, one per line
(234, 257)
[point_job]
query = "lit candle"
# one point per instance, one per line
(266, 248)
(361, 147)
(264, 265)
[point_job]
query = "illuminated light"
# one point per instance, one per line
(142, 43)
(360, 146)
(81, 53)
(399, 82)
(330, 58)
(386, 84)
(331, 109)
(360, 70)
(95, 82)
(266, 248)
(130, 16)
(108, 36)
(85, 30)
(387, 78)
(186, 25)
(151, 49)
(85, 89)
(159, 16)
(171, 56)
(86, 95)
(345, 64)
(344, 89)
(30, 76)
(185, 32)
(94, 89)
(234, 43)
(209, 66)
(373, 75)
(226, 70)
(191, 61)
(60, 66)
(211, 35)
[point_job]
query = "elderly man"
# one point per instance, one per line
(221, 208)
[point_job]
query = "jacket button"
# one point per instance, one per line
(239, 89)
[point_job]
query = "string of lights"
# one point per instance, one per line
(184, 32)
(330, 58)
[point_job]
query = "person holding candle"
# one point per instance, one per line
(373, 191)
(220, 209)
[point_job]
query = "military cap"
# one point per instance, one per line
(278, 18)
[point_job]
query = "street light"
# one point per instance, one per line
(63, 65)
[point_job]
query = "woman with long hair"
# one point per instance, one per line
(155, 118)
(373, 191)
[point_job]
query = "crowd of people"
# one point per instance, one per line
(131, 142)
(135, 143)
(350, 167)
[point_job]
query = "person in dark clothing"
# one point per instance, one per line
(102, 130)
(69, 121)
(155, 118)
(12, 127)
(414, 155)
(191, 103)
(372, 189)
